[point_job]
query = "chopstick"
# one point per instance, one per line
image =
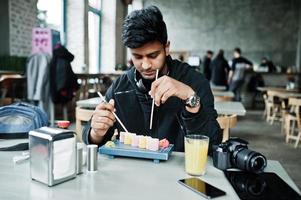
(104, 100)
(153, 105)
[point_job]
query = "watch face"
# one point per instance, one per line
(193, 101)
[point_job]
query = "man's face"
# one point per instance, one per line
(150, 57)
(236, 54)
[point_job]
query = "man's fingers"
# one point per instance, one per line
(101, 123)
(103, 113)
(105, 120)
(100, 126)
(161, 90)
(112, 102)
(155, 84)
(166, 95)
(106, 106)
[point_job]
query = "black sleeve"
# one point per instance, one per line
(233, 65)
(204, 122)
(247, 61)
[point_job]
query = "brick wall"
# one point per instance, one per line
(22, 18)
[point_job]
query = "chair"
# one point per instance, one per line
(293, 132)
(8, 87)
(288, 116)
(273, 107)
(265, 99)
(81, 114)
(227, 122)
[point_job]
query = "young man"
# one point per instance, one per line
(237, 73)
(183, 99)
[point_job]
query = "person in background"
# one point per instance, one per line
(181, 57)
(267, 63)
(219, 70)
(206, 64)
(237, 73)
(183, 99)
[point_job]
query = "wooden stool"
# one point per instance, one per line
(273, 107)
(227, 122)
(292, 132)
(81, 114)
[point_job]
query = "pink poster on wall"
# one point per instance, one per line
(44, 40)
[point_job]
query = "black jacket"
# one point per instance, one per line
(170, 120)
(219, 71)
(63, 81)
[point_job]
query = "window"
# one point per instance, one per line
(94, 30)
(48, 15)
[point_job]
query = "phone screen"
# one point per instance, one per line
(202, 187)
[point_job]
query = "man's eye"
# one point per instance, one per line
(137, 57)
(153, 55)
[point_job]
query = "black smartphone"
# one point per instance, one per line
(201, 187)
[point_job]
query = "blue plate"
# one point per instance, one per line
(121, 149)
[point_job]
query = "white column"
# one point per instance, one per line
(108, 41)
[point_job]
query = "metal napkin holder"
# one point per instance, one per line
(52, 155)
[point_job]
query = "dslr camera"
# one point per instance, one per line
(234, 153)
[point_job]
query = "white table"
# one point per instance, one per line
(217, 87)
(88, 103)
(277, 89)
(119, 178)
(226, 108)
(230, 108)
(223, 93)
(287, 95)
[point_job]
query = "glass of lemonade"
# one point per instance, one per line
(196, 150)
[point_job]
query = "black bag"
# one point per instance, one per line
(18, 119)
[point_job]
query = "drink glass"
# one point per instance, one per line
(196, 150)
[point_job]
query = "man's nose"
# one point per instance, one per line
(146, 64)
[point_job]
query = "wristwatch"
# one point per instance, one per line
(193, 101)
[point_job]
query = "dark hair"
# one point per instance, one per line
(143, 26)
(237, 50)
(264, 58)
(210, 52)
(220, 53)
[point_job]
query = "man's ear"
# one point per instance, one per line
(167, 45)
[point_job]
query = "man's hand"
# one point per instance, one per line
(102, 120)
(166, 87)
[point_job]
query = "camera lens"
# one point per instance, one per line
(249, 160)
(258, 162)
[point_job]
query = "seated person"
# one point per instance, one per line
(183, 99)
(267, 63)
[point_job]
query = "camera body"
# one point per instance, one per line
(234, 153)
